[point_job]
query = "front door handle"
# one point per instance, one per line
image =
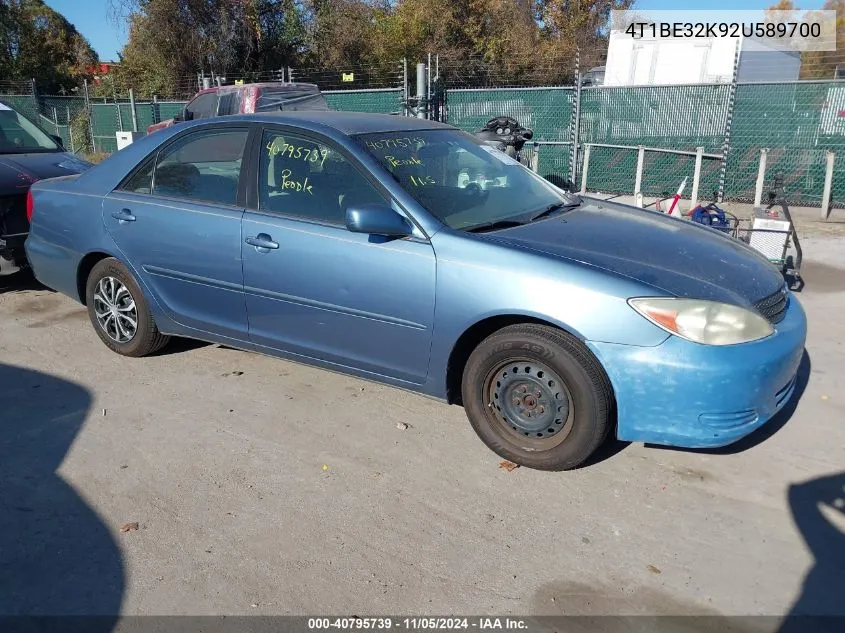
(262, 242)
(124, 215)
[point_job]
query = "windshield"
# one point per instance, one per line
(19, 135)
(459, 180)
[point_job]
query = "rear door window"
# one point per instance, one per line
(229, 103)
(203, 166)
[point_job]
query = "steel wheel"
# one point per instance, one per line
(530, 401)
(115, 310)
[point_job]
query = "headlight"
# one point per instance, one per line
(706, 322)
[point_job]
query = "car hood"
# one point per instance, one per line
(18, 171)
(676, 256)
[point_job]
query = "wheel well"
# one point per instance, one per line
(85, 267)
(469, 340)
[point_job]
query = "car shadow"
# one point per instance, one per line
(608, 449)
(57, 557)
(20, 282)
(180, 345)
(768, 429)
(818, 510)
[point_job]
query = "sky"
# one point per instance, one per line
(91, 19)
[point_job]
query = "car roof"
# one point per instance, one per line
(344, 122)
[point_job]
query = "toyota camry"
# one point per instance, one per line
(407, 252)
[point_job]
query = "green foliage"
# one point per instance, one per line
(171, 40)
(39, 43)
(80, 130)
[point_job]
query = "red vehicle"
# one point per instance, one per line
(247, 99)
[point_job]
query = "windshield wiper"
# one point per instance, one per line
(492, 226)
(557, 206)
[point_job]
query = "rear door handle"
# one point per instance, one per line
(124, 215)
(262, 241)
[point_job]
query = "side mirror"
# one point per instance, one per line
(58, 140)
(377, 219)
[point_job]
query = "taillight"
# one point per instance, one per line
(30, 205)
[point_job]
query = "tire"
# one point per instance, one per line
(553, 412)
(145, 339)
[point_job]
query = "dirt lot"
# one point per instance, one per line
(265, 487)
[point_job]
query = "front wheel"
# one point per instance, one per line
(537, 397)
(119, 312)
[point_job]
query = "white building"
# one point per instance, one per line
(659, 61)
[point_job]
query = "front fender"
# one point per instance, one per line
(479, 279)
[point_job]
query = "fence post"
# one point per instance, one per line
(56, 121)
(117, 105)
(726, 145)
(638, 181)
(70, 132)
(156, 118)
(90, 112)
(761, 177)
(586, 166)
(428, 89)
(696, 177)
(421, 104)
(828, 184)
(36, 107)
(132, 107)
(575, 123)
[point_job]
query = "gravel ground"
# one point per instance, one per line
(266, 487)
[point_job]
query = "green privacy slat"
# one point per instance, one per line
(547, 111)
(383, 102)
(798, 123)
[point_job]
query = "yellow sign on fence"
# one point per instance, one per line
(348, 77)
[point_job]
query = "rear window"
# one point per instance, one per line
(289, 99)
(229, 103)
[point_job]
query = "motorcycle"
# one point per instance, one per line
(509, 136)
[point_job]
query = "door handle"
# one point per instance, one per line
(262, 241)
(124, 215)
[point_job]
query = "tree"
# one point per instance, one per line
(821, 64)
(477, 40)
(171, 40)
(342, 32)
(38, 43)
(581, 24)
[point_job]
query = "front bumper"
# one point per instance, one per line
(698, 396)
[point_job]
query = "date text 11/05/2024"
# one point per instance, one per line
(420, 623)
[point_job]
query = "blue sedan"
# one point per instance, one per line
(407, 252)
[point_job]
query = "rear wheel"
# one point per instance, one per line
(119, 312)
(537, 397)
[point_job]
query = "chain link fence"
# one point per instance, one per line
(798, 123)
